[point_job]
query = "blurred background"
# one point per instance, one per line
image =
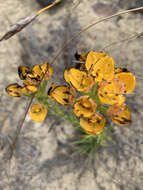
(42, 160)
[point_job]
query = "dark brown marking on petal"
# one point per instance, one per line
(101, 95)
(49, 90)
(66, 92)
(126, 120)
(66, 100)
(98, 121)
(88, 108)
(121, 122)
(97, 74)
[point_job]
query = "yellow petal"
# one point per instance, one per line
(93, 58)
(128, 79)
(61, 94)
(44, 67)
(122, 118)
(76, 77)
(31, 82)
(23, 71)
(113, 87)
(100, 65)
(84, 106)
(111, 98)
(93, 127)
(86, 84)
(47, 70)
(111, 92)
(79, 79)
(67, 76)
(104, 69)
(14, 90)
(29, 88)
(116, 109)
(36, 73)
(38, 112)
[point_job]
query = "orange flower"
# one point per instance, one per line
(38, 112)
(119, 114)
(62, 94)
(94, 125)
(100, 65)
(79, 79)
(111, 92)
(14, 90)
(36, 73)
(84, 106)
(32, 79)
(128, 79)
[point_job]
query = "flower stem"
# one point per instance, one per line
(49, 6)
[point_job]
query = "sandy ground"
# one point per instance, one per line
(43, 160)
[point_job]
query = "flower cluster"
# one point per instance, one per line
(101, 89)
(95, 89)
(31, 81)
